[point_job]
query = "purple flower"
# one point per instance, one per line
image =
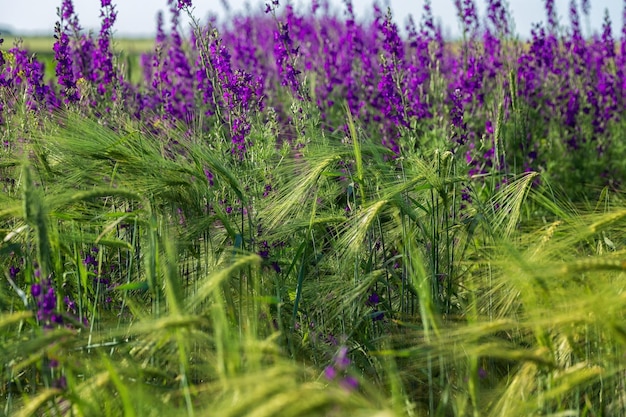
(67, 10)
(49, 301)
(90, 260)
(71, 305)
(466, 11)
(373, 299)
(607, 36)
(315, 4)
(551, 13)
(489, 127)
(236, 91)
(457, 116)
(26, 73)
(103, 73)
(13, 271)
(349, 383)
(340, 365)
(176, 79)
(46, 301)
(497, 15)
(271, 8)
(60, 383)
(209, 177)
(285, 54)
(264, 251)
(391, 102)
(35, 290)
(465, 196)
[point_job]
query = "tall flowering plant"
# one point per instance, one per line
(63, 54)
(105, 74)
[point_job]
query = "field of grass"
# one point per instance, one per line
(307, 215)
(44, 44)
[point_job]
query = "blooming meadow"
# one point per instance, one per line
(297, 213)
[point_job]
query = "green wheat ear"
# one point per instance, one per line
(36, 215)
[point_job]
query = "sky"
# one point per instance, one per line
(136, 18)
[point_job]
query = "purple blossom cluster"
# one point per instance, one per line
(45, 297)
(103, 272)
(373, 301)
(50, 312)
(184, 3)
(62, 52)
(337, 370)
(267, 251)
(24, 73)
(105, 73)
